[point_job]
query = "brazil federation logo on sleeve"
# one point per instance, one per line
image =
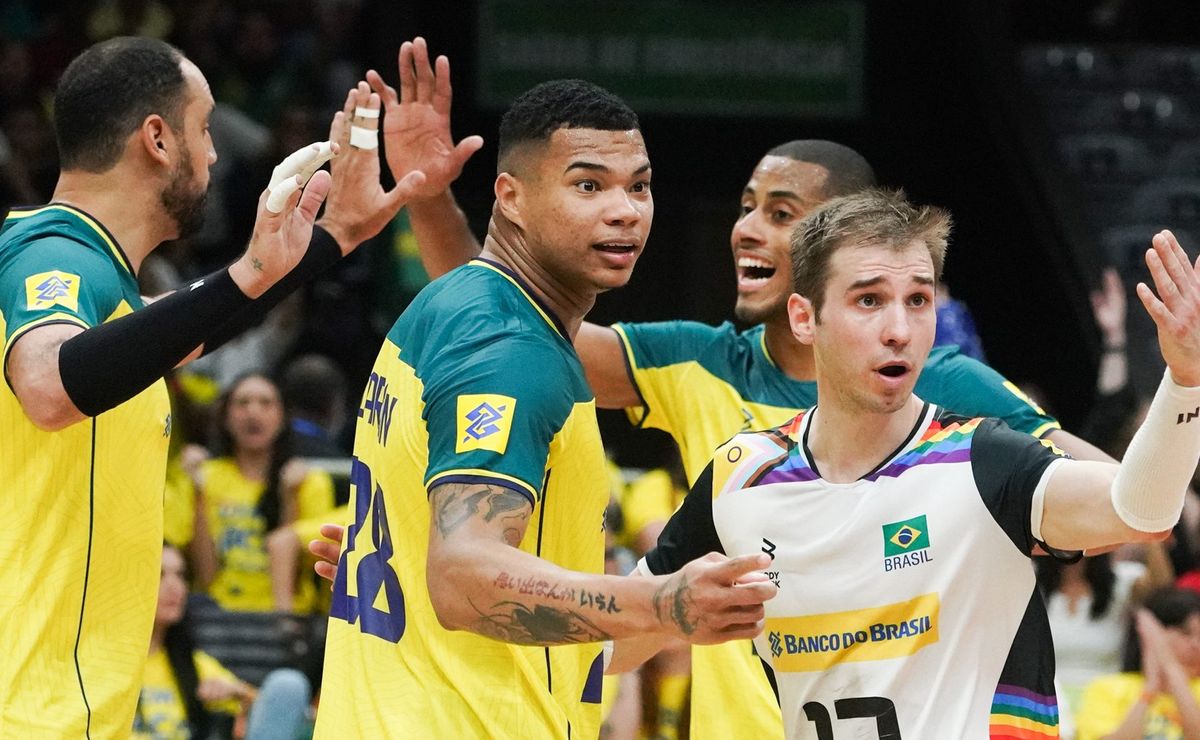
(54, 288)
(906, 543)
(484, 420)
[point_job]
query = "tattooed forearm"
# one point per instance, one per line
(512, 621)
(673, 602)
(540, 587)
(454, 504)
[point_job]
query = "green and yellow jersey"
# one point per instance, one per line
(702, 385)
(82, 507)
(243, 579)
(476, 382)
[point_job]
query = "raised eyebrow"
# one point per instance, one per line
(872, 281)
(866, 282)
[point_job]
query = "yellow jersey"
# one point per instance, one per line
(1108, 699)
(243, 580)
(81, 545)
(475, 382)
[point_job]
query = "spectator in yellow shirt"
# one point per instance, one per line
(254, 488)
(1161, 700)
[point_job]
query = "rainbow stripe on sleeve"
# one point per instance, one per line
(1020, 714)
(951, 444)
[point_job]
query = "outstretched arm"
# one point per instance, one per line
(416, 136)
(479, 581)
(1089, 504)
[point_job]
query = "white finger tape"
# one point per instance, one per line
(278, 194)
(363, 138)
(362, 112)
(305, 160)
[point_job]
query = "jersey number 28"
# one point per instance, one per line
(373, 574)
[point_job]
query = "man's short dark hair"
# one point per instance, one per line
(106, 93)
(848, 170)
(545, 108)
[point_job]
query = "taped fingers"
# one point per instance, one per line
(363, 138)
(277, 196)
(303, 161)
(364, 127)
(294, 172)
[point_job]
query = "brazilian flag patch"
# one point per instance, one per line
(909, 535)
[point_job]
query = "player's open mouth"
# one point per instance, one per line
(615, 247)
(894, 370)
(753, 272)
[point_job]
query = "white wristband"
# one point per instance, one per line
(1150, 486)
(364, 138)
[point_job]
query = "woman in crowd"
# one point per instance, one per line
(1089, 604)
(254, 487)
(188, 694)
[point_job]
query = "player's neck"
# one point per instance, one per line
(788, 354)
(569, 305)
(131, 213)
(847, 443)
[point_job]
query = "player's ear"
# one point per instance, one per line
(802, 318)
(153, 138)
(510, 198)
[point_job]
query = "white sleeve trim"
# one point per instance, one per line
(1037, 510)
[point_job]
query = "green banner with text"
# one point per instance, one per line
(768, 58)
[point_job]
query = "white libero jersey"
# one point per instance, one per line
(907, 604)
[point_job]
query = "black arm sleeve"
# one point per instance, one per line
(323, 252)
(109, 364)
(690, 532)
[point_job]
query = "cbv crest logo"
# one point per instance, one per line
(484, 420)
(906, 543)
(54, 288)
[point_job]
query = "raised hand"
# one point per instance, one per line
(416, 123)
(1176, 308)
(286, 212)
(1108, 308)
(714, 599)
(358, 207)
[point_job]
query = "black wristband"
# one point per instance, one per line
(323, 252)
(109, 364)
